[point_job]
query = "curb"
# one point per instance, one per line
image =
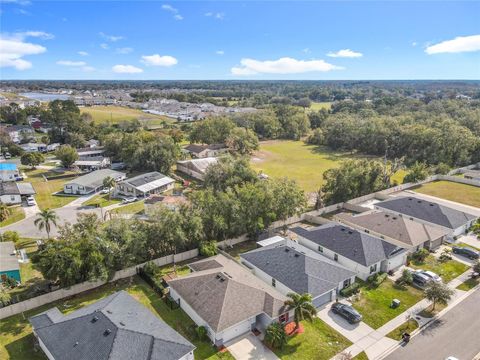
(428, 323)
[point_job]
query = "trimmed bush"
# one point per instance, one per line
(376, 279)
(350, 290)
(201, 333)
(208, 248)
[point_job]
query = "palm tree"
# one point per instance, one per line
(44, 219)
(302, 306)
(275, 335)
(109, 183)
(4, 212)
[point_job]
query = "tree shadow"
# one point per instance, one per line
(25, 348)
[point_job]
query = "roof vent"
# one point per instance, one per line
(222, 279)
(218, 276)
(122, 323)
(432, 204)
(76, 344)
(107, 332)
(287, 249)
(343, 229)
(350, 232)
(419, 201)
(297, 255)
(109, 311)
(95, 319)
(394, 218)
(386, 215)
(410, 199)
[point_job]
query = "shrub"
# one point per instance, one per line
(406, 278)
(420, 255)
(9, 282)
(10, 235)
(376, 279)
(150, 268)
(201, 333)
(350, 290)
(275, 335)
(208, 248)
(4, 297)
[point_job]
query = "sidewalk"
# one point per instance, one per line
(384, 345)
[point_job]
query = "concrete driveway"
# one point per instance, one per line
(249, 347)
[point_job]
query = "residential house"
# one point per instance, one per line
(18, 133)
(358, 251)
(456, 222)
(227, 299)
(9, 266)
(92, 163)
(34, 147)
(90, 152)
(9, 172)
(196, 168)
(291, 267)
(115, 327)
(204, 151)
(11, 192)
(397, 230)
(171, 202)
(145, 184)
(91, 182)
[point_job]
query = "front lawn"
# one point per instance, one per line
(16, 338)
(101, 200)
(374, 303)
(462, 193)
(16, 214)
(407, 327)
(133, 208)
(430, 312)
(318, 342)
(468, 284)
(448, 270)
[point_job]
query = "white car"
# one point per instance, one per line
(105, 191)
(129, 200)
(432, 276)
(31, 201)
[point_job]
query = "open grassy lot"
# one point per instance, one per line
(101, 200)
(16, 214)
(45, 189)
(302, 162)
(133, 208)
(315, 106)
(318, 342)
(448, 190)
(240, 248)
(16, 338)
(407, 327)
(117, 114)
(374, 303)
(448, 270)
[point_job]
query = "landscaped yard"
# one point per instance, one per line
(45, 189)
(16, 338)
(302, 162)
(101, 200)
(407, 327)
(374, 303)
(133, 208)
(117, 114)
(16, 214)
(465, 194)
(241, 248)
(448, 270)
(318, 342)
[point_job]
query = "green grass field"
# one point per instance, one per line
(302, 162)
(447, 270)
(16, 214)
(448, 190)
(315, 106)
(101, 200)
(117, 114)
(133, 208)
(17, 339)
(407, 327)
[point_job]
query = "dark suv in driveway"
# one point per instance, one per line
(347, 312)
(466, 251)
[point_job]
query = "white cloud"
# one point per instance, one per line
(307, 51)
(126, 69)
(457, 45)
(172, 10)
(104, 46)
(283, 65)
(414, 43)
(220, 52)
(125, 50)
(157, 60)
(71, 63)
(345, 53)
(218, 15)
(111, 38)
(83, 53)
(20, 36)
(13, 50)
(88, 68)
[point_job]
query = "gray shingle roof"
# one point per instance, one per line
(428, 211)
(296, 270)
(360, 247)
(226, 296)
(95, 178)
(134, 332)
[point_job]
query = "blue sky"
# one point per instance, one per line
(239, 40)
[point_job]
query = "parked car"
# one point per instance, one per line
(129, 200)
(432, 276)
(31, 201)
(105, 191)
(467, 252)
(7, 156)
(420, 279)
(347, 312)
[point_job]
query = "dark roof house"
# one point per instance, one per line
(357, 246)
(116, 327)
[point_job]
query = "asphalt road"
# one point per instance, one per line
(456, 334)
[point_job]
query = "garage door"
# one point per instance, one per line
(397, 261)
(235, 331)
(322, 299)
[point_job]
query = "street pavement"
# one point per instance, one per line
(454, 334)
